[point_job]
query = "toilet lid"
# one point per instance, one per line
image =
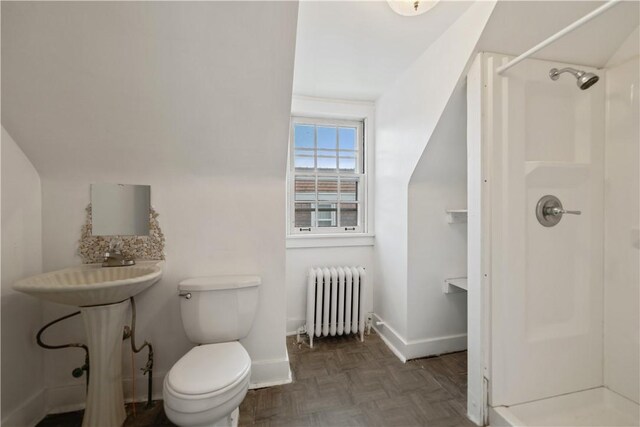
(208, 368)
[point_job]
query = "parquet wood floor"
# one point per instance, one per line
(343, 382)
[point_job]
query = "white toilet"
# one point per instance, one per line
(206, 386)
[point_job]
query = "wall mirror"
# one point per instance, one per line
(120, 209)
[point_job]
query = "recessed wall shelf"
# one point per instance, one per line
(455, 285)
(456, 215)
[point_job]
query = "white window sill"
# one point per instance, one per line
(329, 240)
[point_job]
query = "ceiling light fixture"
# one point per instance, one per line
(411, 7)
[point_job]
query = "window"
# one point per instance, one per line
(326, 176)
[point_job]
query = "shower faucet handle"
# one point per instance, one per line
(549, 211)
(572, 212)
(560, 211)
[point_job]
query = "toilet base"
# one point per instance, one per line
(229, 421)
(235, 417)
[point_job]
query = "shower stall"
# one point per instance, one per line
(553, 243)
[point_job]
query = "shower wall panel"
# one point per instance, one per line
(544, 138)
(622, 235)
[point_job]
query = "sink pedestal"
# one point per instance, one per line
(105, 401)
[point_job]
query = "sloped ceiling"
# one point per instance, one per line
(517, 26)
(189, 88)
(356, 49)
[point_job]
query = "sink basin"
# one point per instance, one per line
(92, 284)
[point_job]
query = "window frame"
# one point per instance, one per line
(361, 175)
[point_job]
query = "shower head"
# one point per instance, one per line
(584, 80)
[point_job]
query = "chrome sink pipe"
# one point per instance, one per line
(129, 332)
(77, 372)
(148, 369)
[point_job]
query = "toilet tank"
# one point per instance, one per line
(218, 308)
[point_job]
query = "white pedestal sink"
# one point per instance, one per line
(102, 293)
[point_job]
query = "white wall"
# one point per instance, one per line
(622, 235)
(406, 116)
(304, 252)
(437, 249)
(190, 98)
(22, 359)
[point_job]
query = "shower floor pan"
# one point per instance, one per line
(595, 407)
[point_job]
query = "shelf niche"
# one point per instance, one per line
(455, 285)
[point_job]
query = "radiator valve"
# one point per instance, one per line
(369, 322)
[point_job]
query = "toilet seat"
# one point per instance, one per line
(209, 368)
(208, 378)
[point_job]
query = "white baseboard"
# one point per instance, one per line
(29, 413)
(414, 349)
(293, 325)
(269, 373)
(66, 398)
(391, 338)
(72, 397)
